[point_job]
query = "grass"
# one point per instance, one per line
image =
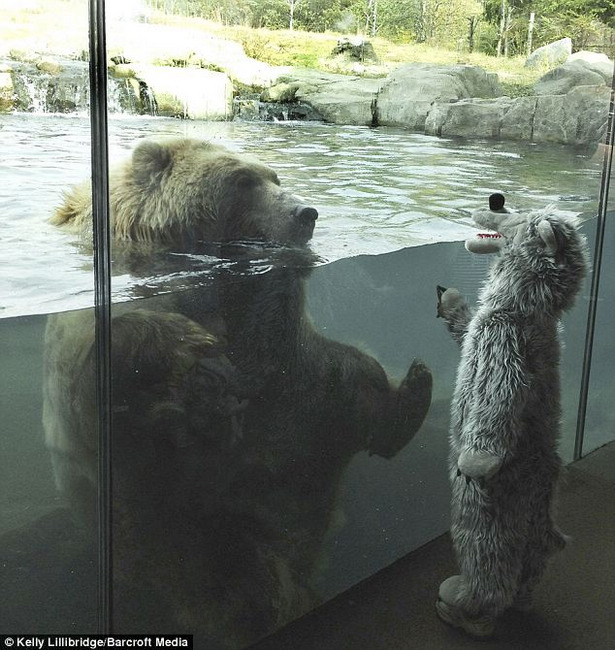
(60, 27)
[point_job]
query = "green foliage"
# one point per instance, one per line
(584, 21)
(436, 22)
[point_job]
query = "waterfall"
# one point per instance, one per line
(67, 91)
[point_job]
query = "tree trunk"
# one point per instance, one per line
(374, 17)
(507, 30)
(472, 24)
(502, 27)
(530, 34)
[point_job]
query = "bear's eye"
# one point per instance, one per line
(245, 180)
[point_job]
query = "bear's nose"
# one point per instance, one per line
(305, 215)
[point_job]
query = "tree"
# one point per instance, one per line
(291, 5)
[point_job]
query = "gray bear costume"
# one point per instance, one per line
(505, 420)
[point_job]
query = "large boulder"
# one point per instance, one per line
(596, 62)
(518, 121)
(573, 73)
(355, 48)
(474, 118)
(550, 55)
(502, 118)
(349, 101)
(579, 117)
(175, 46)
(408, 93)
(192, 93)
(339, 99)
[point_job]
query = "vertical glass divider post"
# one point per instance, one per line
(102, 308)
(595, 278)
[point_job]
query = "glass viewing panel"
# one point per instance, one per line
(48, 561)
(275, 346)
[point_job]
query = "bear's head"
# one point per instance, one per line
(542, 259)
(181, 191)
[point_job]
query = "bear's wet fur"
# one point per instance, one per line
(181, 191)
(505, 421)
(233, 419)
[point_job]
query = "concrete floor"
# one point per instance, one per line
(574, 606)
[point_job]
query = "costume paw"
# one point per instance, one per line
(478, 464)
(449, 301)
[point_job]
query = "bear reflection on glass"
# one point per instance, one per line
(233, 419)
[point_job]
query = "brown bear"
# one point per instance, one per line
(180, 191)
(233, 419)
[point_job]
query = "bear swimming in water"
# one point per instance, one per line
(233, 419)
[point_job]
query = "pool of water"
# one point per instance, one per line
(377, 190)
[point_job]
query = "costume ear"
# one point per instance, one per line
(547, 235)
(149, 159)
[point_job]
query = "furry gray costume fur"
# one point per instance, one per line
(505, 420)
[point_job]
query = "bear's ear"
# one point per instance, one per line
(149, 159)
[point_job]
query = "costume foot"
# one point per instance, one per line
(452, 613)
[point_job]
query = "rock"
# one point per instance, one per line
(550, 55)
(474, 118)
(25, 56)
(6, 91)
(250, 72)
(573, 73)
(408, 93)
(596, 62)
(281, 92)
(247, 110)
(578, 117)
(518, 121)
(50, 66)
(251, 110)
(335, 98)
(191, 93)
(350, 100)
(122, 71)
(41, 92)
(355, 49)
(120, 59)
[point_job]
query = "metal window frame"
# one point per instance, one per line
(595, 278)
(102, 298)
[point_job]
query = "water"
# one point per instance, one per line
(377, 191)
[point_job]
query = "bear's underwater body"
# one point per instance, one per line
(233, 419)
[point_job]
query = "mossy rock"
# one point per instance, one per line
(283, 93)
(122, 71)
(50, 66)
(6, 92)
